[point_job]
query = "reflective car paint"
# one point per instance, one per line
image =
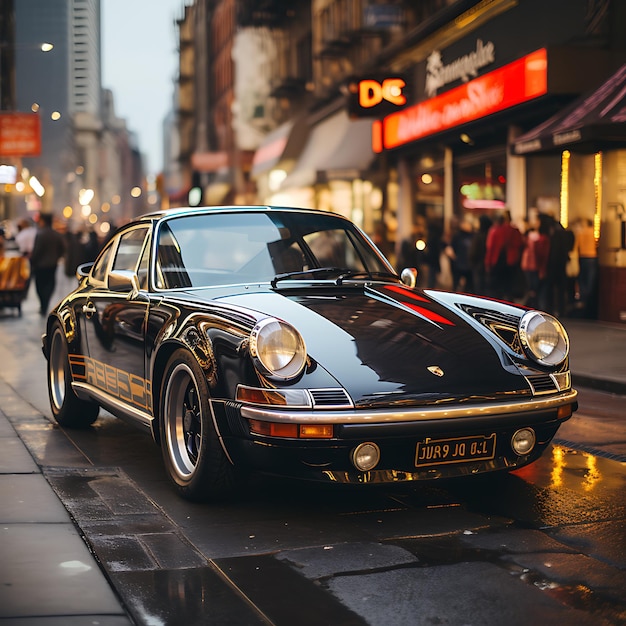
(386, 363)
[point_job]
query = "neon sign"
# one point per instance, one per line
(508, 86)
(371, 92)
(376, 95)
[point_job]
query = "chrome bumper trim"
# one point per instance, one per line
(143, 418)
(399, 415)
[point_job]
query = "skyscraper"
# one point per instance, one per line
(63, 84)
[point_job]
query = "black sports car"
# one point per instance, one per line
(281, 340)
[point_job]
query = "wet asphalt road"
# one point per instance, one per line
(544, 545)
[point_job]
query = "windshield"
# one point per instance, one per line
(226, 248)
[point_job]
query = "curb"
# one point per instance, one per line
(601, 384)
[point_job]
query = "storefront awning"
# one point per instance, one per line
(280, 148)
(593, 122)
(338, 148)
(209, 161)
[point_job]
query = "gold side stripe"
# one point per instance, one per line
(118, 383)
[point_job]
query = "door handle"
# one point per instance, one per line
(89, 309)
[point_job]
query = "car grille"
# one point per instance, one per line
(330, 398)
(504, 325)
(233, 416)
(542, 383)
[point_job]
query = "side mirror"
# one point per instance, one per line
(409, 276)
(125, 281)
(82, 271)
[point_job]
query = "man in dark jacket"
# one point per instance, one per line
(561, 243)
(47, 250)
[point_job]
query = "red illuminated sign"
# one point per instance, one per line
(20, 135)
(501, 89)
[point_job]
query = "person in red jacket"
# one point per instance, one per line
(534, 264)
(504, 248)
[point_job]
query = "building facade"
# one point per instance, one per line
(398, 114)
(89, 163)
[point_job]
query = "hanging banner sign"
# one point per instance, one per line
(508, 86)
(20, 135)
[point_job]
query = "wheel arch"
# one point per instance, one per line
(69, 326)
(158, 371)
(201, 350)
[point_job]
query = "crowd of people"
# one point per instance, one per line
(542, 265)
(46, 247)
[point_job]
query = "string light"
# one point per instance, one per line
(563, 217)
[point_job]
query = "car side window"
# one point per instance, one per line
(98, 272)
(144, 266)
(171, 272)
(130, 250)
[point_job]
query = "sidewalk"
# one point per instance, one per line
(597, 354)
(48, 575)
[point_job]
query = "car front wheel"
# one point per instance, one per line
(67, 408)
(192, 452)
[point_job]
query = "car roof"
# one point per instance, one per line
(177, 211)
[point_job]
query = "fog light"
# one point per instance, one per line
(523, 441)
(366, 456)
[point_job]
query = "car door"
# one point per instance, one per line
(81, 298)
(115, 330)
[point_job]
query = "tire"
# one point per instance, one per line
(67, 408)
(192, 452)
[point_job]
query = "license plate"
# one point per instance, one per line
(459, 450)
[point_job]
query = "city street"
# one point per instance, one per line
(546, 544)
(357, 241)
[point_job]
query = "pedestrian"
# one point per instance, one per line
(48, 249)
(502, 258)
(459, 253)
(477, 253)
(73, 251)
(586, 247)
(432, 252)
(534, 264)
(561, 243)
(25, 236)
(91, 245)
(411, 253)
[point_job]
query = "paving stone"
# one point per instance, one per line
(347, 557)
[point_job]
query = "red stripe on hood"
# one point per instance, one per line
(404, 291)
(408, 293)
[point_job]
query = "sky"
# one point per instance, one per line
(139, 65)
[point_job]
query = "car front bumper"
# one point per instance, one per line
(398, 435)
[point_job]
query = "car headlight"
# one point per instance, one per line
(543, 337)
(277, 349)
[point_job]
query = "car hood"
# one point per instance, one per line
(388, 341)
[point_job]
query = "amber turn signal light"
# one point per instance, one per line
(291, 431)
(564, 412)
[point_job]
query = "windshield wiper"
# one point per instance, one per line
(364, 274)
(313, 271)
(343, 274)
